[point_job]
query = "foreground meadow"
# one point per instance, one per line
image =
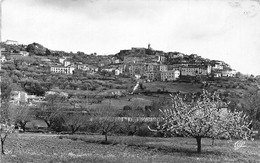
(90, 148)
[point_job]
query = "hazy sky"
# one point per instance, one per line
(223, 30)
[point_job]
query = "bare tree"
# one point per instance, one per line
(21, 115)
(105, 120)
(75, 120)
(51, 110)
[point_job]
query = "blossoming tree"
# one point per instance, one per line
(204, 117)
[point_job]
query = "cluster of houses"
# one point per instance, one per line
(152, 67)
(65, 66)
(151, 64)
(162, 72)
(23, 98)
(5, 52)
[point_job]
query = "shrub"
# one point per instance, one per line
(127, 107)
(143, 130)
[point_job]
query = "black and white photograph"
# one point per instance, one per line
(130, 81)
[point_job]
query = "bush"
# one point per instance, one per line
(144, 131)
(127, 107)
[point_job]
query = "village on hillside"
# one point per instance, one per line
(144, 81)
(151, 64)
(140, 63)
(125, 94)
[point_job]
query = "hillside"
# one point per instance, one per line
(97, 84)
(35, 66)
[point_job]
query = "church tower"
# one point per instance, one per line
(149, 46)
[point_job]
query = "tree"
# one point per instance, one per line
(50, 111)
(106, 123)
(131, 127)
(105, 120)
(21, 115)
(204, 117)
(251, 106)
(74, 121)
(6, 89)
(34, 87)
(36, 49)
(6, 126)
(47, 52)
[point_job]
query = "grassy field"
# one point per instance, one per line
(173, 86)
(88, 148)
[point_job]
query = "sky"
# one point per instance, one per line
(226, 30)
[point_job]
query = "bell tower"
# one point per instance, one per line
(149, 46)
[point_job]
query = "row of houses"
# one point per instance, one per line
(188, 65)
(154, 71)
(11, 42)
(169, 75)
(65, 66)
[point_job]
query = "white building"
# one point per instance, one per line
(61, 60)
(231, 73)
(194, 71)
(3, 59)
(170, 75)
(217, 74)
(160, 58)
(18, 97)
(24, 53)
(163, 67)
(218, 65)
(118, 71)
(62, 69)
(11, 42)
(86, 67)
(67, 63)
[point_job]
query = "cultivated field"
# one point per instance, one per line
(89, 148)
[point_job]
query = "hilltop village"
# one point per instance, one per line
(150, 64)
(37, 70)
